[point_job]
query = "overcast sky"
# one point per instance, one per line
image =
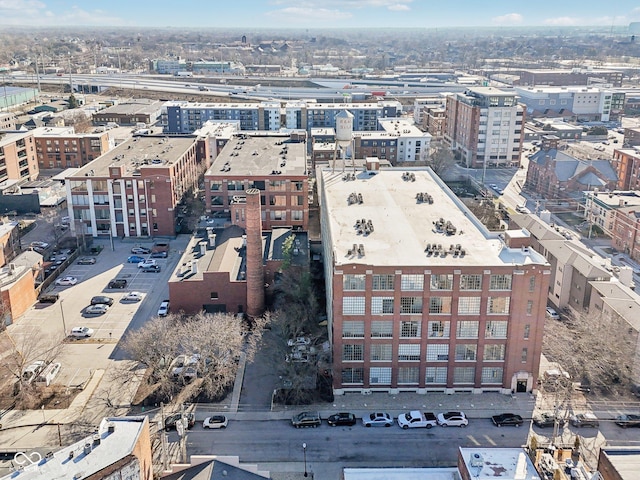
(319, 13)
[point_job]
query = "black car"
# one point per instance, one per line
(117, 283)
(545, 420)
(101, 299)
(170, 421)
(306, 419)
(159, 255)
(628, 420)
(151, 269)
(342, 418)
(507, 419)
(48, 298)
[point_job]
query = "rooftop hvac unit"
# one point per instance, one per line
(476, 460)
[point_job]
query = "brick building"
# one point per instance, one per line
(626, 231)
(485, 126)
(554, 174)
(276, 164)
(130, 112)
(18, 159)
(626, 162)
(133, 190)
(420, 296)
(61, 147)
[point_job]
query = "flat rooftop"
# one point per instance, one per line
(75, 460)
(403, 224)
(133, 107)
(498, 463)
(260, 156)
(401, 126)
(146, 152)
(12, 137)
(617, 198)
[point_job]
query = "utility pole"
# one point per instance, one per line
(183, 437)
(163, 438)
(70, 78)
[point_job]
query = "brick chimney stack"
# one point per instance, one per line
(255, 268)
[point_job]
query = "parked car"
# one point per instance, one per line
(81, 332)
(507, 419)
(306, 419)
(48, 298)
(43, 245)
(86, 261)
(417, 419)
(163, 310)
(170, 421)
(547, 419)
(298, 341)
(132, 297)
(66, 281)
(552, 314)
(159, 254)
(453, 419)
(101, 299)
(215, 421)
(32, 371)
(47, 375)
(151, 269)
(135, 259)
(147, 263)
(97, 309)
(584, 420)
(117, 283)
(342, 419)
(377, 419)
(628, 420)
(141, 250)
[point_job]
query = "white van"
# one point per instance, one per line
(30, 373)
(47, 375)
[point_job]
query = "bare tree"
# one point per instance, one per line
(441, 157)
(595, 348)
(210, 345)
(79, 121)
(29, 349)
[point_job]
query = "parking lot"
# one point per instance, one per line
(80, 357)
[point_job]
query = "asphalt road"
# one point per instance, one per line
(278, 441)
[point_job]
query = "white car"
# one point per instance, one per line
(292, 342)
(377, 419)
(163, 311)
(453, 419)
(81, 332)
(147, 263)
(552, 314)
(132, 297)
(66, 281)
(215, 421)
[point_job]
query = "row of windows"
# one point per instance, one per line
(274, 185)
(414, 305)
(415, 282)
(433, 375)
(382, 352)
(436, 329)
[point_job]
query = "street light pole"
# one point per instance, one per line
(304, 453)
(64, 325)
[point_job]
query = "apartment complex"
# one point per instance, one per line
(186, 117)
(133, 190)
(485, 127)
(420, 296)
(626, 162)
(61, 147)
(626, 231)
(18, 157)
(275, 164)
(600, 207)
(572, 103)
(7, 121)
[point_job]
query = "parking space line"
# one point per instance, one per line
(490, 440)
(472, 438)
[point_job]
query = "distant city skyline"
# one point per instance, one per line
(279, 14)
